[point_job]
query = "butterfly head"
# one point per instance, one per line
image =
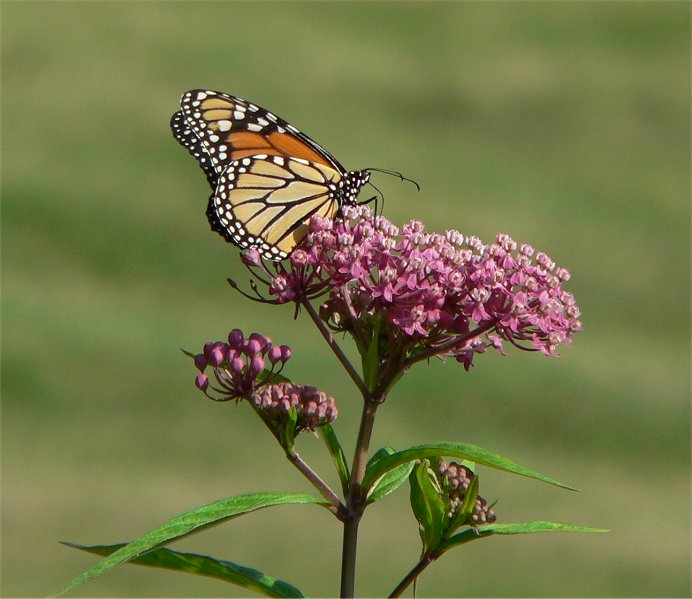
(350, 186)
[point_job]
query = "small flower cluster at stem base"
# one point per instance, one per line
(454, 480)
(314, 408)
(240, 367)
(248, 368)
(436, 294)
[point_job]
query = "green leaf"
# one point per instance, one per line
(188, 523)
(428, 506)
(380, 454)
(203, 565)
(287, 429)
(466, 508)
(390, 482)
(487, 530)
(451, 449)
(188, 353)
(330, 439)
(391, 479)
(276, 378)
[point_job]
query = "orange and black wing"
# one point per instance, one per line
(266, 202)
(218, 129)
(268, 177)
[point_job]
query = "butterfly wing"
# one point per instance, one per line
(186, 138)
(228, 128)
(266, 201)
(268, 177)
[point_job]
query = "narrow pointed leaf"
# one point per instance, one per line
(466, 508)
(188, 523)
(275, 378)
(203, 565)
(390, 482)
(427, 505)
(488, 530)
(457, 450)
(330, 439)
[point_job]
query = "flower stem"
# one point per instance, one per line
(355, 501)
(335, 348)
(413, 574)
(452, 343)
(339, 508)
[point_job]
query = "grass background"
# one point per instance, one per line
(564, 124)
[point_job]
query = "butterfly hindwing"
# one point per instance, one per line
(267, 201)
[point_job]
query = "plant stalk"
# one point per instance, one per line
(412, 575)
(355, 501)
(335, 348)
(317, 482)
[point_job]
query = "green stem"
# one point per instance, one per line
(339, 509)
(413, 574)
(355, 501)
(335, 348)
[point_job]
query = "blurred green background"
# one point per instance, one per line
(565, 125)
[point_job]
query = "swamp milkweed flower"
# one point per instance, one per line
(430, 294)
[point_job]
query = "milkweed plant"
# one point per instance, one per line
(402, 296)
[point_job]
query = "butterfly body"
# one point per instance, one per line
(268, 178)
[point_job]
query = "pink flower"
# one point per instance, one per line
(314, 408)
(445, 295)
(238, 364)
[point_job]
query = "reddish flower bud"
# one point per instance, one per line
(251, 257)
(200, 362)
(235, 338)
(202, 382)
(237, 365)
(256, 366)
(261, 339)
(274, 354)
(252, 347)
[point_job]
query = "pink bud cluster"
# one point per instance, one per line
(238, 364)
(438, 294)
(314, 408)
(455, 480)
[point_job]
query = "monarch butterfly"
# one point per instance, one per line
(268, 178)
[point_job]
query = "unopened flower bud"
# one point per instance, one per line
(202, 382)
(200, 362)
(252, 347)
(216, 356)
(235, 338)
(251, 257)
(274, 354)
(261, 339)
(237, 365)
(256, 365)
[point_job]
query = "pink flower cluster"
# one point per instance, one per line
(439, 294)
(454, 480)
(314, 408)
(238, 365)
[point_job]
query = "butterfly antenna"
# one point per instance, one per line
(375, 198)
(387, 171)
